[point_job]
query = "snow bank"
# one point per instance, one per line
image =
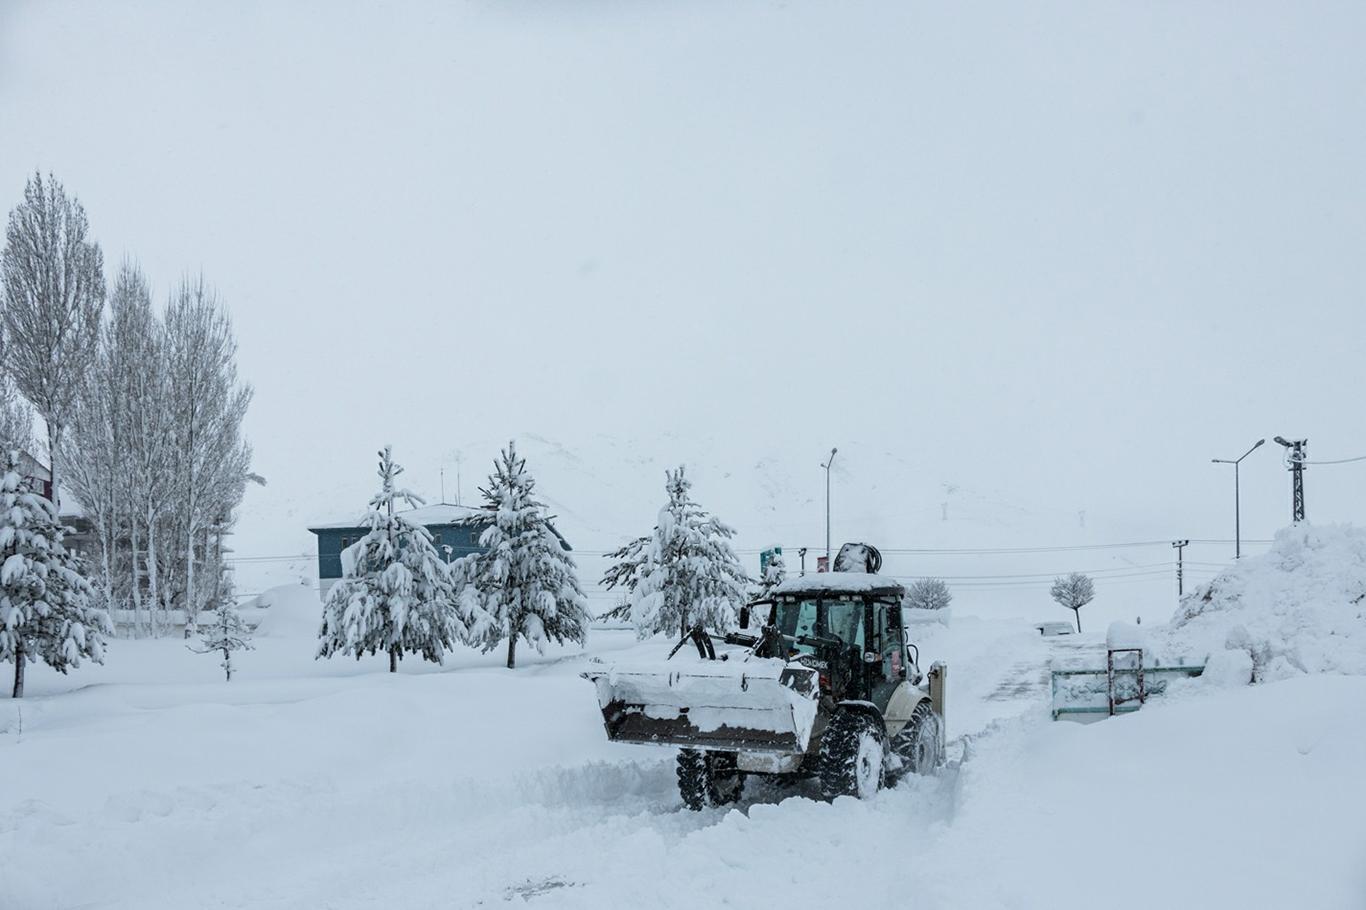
(1293, 610)
(289, 611)
(1124, 635)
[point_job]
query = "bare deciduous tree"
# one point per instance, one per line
(1074, 592)
(16, 419)
(52, 278)
(208, 405)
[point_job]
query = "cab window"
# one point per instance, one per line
(844, 620)
(797, 618)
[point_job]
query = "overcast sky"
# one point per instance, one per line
(1068, 250)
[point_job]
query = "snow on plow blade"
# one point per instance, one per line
(755, 705)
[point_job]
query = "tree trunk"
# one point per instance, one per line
(1077, 612)
(19, 672)
(153, 582)
(133, 562)
(191, 608)
(106, 546)
(227, 663)
(512, 651)
(54, 438)
(393, 660)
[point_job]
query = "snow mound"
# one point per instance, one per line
(1299, 608)
(287, 611)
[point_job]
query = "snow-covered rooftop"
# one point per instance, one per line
(838, 582)
(441, 513)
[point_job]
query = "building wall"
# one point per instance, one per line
(461, 539)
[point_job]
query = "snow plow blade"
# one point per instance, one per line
(743, 706)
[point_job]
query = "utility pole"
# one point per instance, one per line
(1180, 546)
(827, 465)
(1294, 457)
(1237, 517)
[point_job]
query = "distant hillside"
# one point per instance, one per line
(605, 490)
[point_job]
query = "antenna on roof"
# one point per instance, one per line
(443, 483)
(459, 457)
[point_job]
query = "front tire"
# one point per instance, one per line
(920, 745)
(853, 756)
(708, 779)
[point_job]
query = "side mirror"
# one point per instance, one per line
(744, 617)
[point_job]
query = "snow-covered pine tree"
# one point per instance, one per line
(227, 634)
(45, 611)
(927, 594)
(690, 575)
(625, 573)
(775, 573)
(525, 585)
(396, 595)
(1073, 592)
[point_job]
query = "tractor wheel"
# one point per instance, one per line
(708, 778)
(853, 756)
(920, 744)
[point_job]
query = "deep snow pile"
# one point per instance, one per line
(287, 611)
(1299, 608)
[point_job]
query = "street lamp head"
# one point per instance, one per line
(1259, 442)
(1281, 441)
(833, 450)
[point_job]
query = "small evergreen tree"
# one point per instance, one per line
(1074, 592)
(395, 596)
(775, 573)
(689, 574)
(927, 594)
(45, 611)
(625, 573)
(525, 585)
(227, 634)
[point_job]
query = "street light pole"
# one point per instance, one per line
(827, 465)
(1237, 500)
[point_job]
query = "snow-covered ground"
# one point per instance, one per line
(151, 783)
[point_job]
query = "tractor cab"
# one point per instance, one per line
(848, 627)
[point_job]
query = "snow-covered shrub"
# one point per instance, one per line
(45, 610)
(927, 594)
(1298, 608)
(526, 584)
(395, 596)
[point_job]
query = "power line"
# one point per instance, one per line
(1337, 460)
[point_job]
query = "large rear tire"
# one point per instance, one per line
(708, 779)
(853, 756)
(920, 744)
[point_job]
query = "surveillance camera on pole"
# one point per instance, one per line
(1294, 461)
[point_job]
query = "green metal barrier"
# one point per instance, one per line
(1118, 686)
